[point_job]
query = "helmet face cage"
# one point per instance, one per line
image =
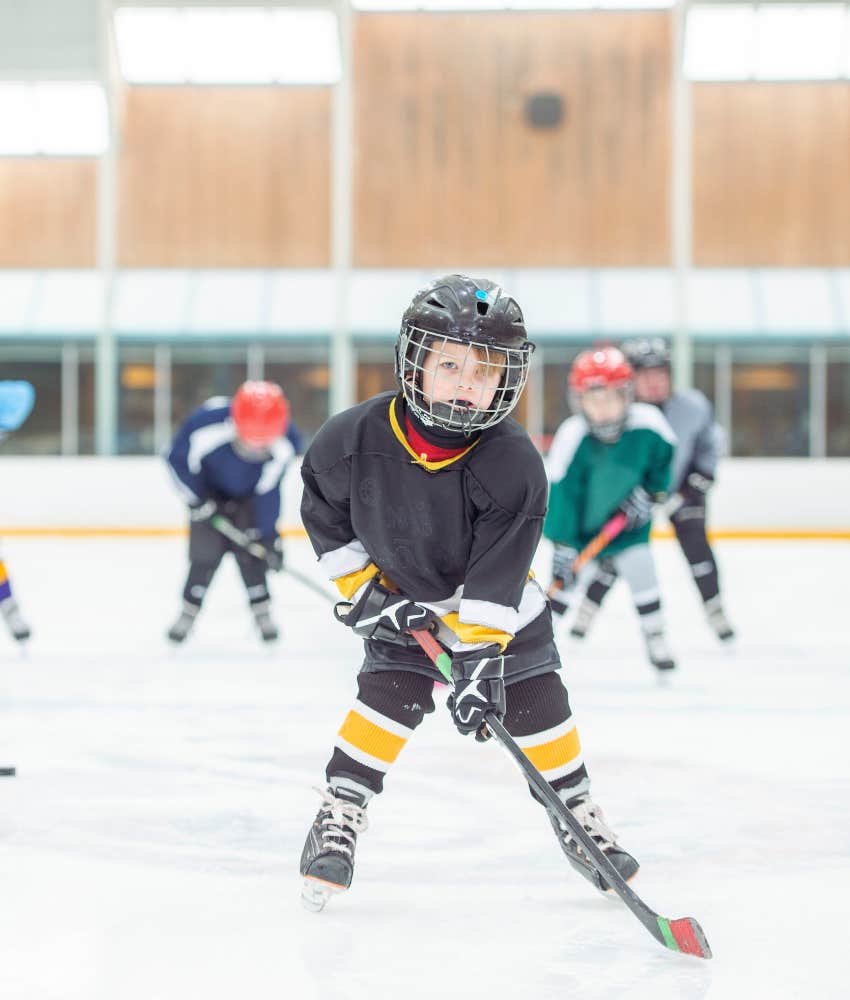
(419, 353)
(608, 431)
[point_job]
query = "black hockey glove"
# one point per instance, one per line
(694, 488)
(479, 687)
(203, 511)
(381, 614)
(563, 577)
(638, 508)
(274, 553)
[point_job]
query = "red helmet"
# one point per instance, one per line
(261, 413)
(604, 367)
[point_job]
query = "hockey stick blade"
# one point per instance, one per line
(684, 934)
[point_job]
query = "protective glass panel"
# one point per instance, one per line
(838, 404)
(200, 374)
(305, 383)
(41, 433)
(770, 403)
(136, 390)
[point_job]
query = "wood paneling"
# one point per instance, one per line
(772, 174)
(448, 171)
(47, 212)
(225, 177)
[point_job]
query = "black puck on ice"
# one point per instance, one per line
(7, 772)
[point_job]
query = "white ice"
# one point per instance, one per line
(149, 845)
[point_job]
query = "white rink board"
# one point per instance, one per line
(754, 494)
(149, 845)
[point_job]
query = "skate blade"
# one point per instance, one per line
(315, 893)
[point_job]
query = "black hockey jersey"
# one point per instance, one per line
(457, 536)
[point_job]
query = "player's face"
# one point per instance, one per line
(652, 385)
(461, 375)
(604, 406)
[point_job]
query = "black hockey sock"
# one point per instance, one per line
(539, 718)
(389, 706)
(199, 578)
(690, 532)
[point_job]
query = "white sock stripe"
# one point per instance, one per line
(701, 569)
(361, 757)
(546, 735)
(391, 726)
(646, 596)
(569, 768)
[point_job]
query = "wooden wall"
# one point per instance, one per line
(225, 177)
(47, 212)
(772, 174)
(447, 170)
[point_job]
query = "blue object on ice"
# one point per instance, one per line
(16, 402)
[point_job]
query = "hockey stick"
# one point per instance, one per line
(607, 533)
(684, 934)
(240, 538)
(7, 772)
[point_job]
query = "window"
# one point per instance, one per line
(838, 403)
(198, 373)
(136, 389)
(703, 375)
(556, 368)
(86, 403)
(375, 370)
(41, 433)
(770, 401)
(305, 379)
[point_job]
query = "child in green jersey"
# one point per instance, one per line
(611, 455)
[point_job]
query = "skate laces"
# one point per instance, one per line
(341, 821)
(592, 819)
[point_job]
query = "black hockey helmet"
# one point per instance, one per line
(478, 315)
(646, 352)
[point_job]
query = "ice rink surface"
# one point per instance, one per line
(149, 845)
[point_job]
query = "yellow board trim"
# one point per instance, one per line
(418, 459)
(555, 753)
(371, 738)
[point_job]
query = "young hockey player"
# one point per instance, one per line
(426, 507)
(228, 458)
(16, 403)
(611, 455)
(699, 442)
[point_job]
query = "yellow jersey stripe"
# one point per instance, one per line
(371, 738)
(477, 634)
(418, 459)
(350, 583)
(555, 753)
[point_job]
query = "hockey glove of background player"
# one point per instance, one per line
(203, 511)
(274, 553)
(694, 489)
(637, 507)
(381, 614)
(563, 577)
(479, 687)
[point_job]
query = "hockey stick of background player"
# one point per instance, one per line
(229, 530)
(7, 772)
(607, 533)
(684, 934)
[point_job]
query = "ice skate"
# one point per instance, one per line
(585, 613)
(659, 652)
(269, 631)
(327, 861)
(17, 626)
(592, 819)
(718, 621)
(183, 626)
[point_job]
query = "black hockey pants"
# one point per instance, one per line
(207, 547)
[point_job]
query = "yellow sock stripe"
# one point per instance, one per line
(4, 576)
(555, 753)
(350, 583)
(475, 634)
(371, 738)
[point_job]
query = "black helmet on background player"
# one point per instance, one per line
(481, 317)
(646, 352)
